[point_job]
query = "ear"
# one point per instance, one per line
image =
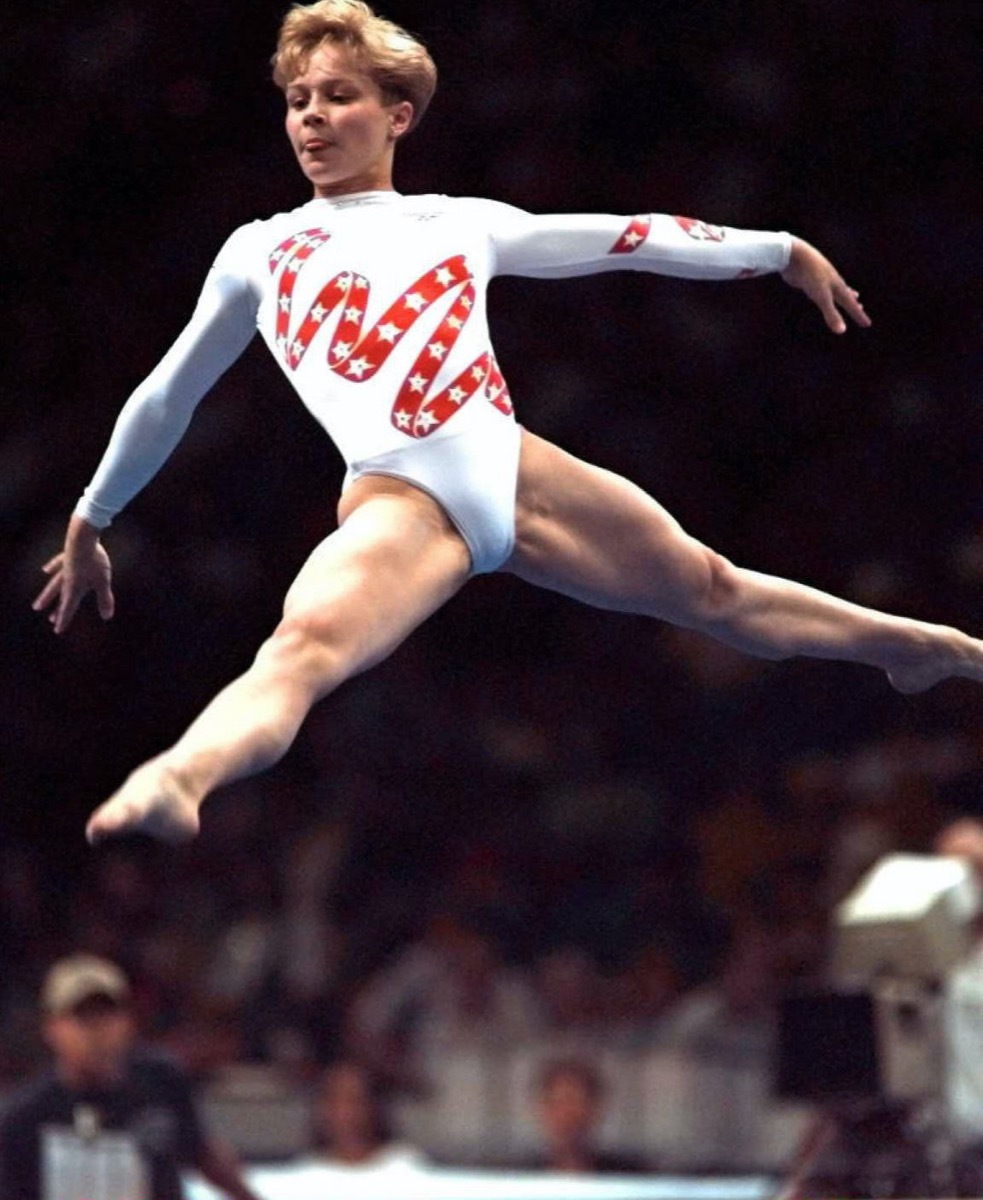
(400, 118)
(50, 1028)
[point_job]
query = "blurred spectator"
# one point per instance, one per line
(447, 991)
(569, 988)
(108, 1121)
(963, 838)
(352, 1126)
(569, 1099)
(732, 1016)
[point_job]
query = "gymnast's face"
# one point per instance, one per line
(340, 125)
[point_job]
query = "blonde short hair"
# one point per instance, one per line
(398, 63)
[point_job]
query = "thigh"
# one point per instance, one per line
(394, 560)
(599, 538)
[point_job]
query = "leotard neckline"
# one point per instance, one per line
(378, 196)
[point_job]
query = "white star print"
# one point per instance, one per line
(455, 322)
(417, 383)
(297, 348)
(415, 301)
(633, 237)
(284, 304)
(402, 418)
(426, 421)
(361, 281)
(353, 313)
(437, 350)
(344, 281)
(341, 349)
(477, 373)
(444, 276)
(318, 313)
(358, 367)
(456, 395)
(465, 301)
(389, 332)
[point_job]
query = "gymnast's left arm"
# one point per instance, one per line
(562, 245)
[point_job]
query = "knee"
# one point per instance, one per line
(719, 589)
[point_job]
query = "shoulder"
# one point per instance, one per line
(489, 210)
(29, 1102)
(473, 208)
(157, 1071)
(256, 236)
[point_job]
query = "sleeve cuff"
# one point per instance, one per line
(94, 514)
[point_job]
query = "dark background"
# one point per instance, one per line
(136, 136)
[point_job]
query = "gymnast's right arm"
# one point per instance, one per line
(147, 430)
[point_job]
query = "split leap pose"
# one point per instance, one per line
(373, 303)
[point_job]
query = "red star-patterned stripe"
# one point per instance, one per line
(633, 236)
(357, 358)
(700, 231)
(291, 255)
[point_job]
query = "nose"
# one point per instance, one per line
(313, 116)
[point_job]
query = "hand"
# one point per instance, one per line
(815, 275)
(82, 567)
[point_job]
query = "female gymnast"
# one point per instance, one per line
(373, 303)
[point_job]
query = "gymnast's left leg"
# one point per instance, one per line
(596, 537)
(393, 561)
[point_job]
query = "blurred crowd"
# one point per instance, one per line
(536, 822)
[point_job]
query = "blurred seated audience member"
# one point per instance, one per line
(570, 992)
(449, 990)
(963, 838)
(109, 1119)
(733, 1016)
(642, 992)
(351, 1122)
(569, 1099)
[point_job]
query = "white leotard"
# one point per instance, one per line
(374, 307)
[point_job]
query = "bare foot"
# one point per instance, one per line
(960, 656)
(151, 801)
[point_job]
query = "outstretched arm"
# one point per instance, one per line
(149, 427)
(563, 245)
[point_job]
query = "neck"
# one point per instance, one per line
(81, 1078)
(376, 179)
(354, 1150)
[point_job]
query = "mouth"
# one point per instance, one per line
(315, 144)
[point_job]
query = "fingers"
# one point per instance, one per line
(842, 297)
(849, 301)
(831, 314)
(66, 600)
(105, 600)
(62, 617)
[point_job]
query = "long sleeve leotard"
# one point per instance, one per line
(374, 307)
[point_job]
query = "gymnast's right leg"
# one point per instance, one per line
(394, 561)
(596, 537)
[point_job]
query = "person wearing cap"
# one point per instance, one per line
(108, 1121)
